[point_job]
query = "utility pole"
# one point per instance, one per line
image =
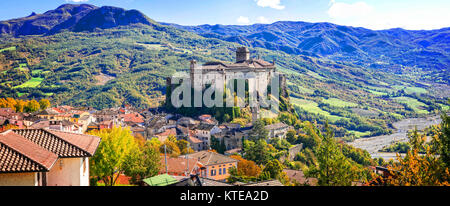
(187, 157)
(165, 159)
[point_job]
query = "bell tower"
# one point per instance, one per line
(242, 54)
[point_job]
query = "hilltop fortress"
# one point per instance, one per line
(255, 76)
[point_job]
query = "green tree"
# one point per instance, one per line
(44, 104)
(32, 106)
(108, 161)
(273, 169)
(258, 131)
(291, 136)
(333, 167)
(259, 151)
(142, 163)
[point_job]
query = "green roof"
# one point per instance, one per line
(160, 180)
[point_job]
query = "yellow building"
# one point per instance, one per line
(217, 165)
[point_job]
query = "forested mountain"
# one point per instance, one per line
(388, 49)
(73, 17)
(106, 57)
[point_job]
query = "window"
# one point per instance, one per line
(220, 171)
(224, 170)
(213, 172)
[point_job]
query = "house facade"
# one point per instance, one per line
(217, 166)
(43, 157)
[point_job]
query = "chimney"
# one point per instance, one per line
(242, 54)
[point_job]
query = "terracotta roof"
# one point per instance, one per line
(133, 117)
(18, 154)
(276, 126)
(168, 132)
(298, 176)
(194, 140)
(211, 158)
(251, 63)
(178, 165)
(64, 144)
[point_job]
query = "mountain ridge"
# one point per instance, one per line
(397, 47)
(73, 17)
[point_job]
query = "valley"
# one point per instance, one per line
(127, 63)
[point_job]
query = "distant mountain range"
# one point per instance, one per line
(73, 17)
(386, 48)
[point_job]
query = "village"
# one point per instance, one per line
(66, 126)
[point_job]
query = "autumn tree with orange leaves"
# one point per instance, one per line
(429, 169)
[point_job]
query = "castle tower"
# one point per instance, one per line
(242, 54)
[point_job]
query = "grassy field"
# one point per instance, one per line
(359, 134)
(417, 90)
(13, 48)
(33, 82)
(313, 107)
(339, 103)
(416, 105)
(37, 72)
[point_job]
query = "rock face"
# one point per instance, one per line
(82, 17)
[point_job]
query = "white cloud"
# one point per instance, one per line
(262, 20)
(275, 4)
(243, 20)
(344, 10)
(361, 14)
(77, 1)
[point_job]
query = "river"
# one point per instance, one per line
(374, 144)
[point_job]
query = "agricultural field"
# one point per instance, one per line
(313, 107)
(339, 103)
(359, 134)
(416, 105)
(13, 48)
(33, 82)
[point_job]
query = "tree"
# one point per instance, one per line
(44, 104)
(273, 169)
(333, 167)
(142, 163)
(32, 106)
(184, 147)
(258, 131)
(246, 167)
(259, 152)
(444, 139)
(171, 148)
(291, 136)
(418, 170)
(108, 161)
(20, 105)
(312, 138)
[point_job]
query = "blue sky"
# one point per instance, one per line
(373, 14)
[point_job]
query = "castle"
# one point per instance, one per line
(257, 73)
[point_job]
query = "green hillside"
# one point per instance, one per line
(129, 64)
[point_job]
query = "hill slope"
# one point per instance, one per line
(386, 49)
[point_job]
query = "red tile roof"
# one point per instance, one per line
(64, 144)
(18, 154)
(178, 165)
(133, 117)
